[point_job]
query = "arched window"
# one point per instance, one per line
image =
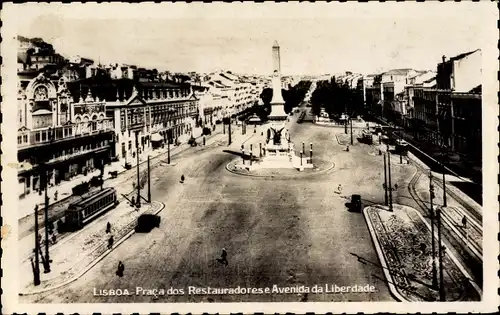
(101, 116)
(94, 117)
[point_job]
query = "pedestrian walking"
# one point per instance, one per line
(339, 189)
(120, 269)
(132, 201)
(223, 257)
(347, 149)
(110, 242)
(55, 195)
(108, 228)
(182, 178)
(54, 238)
(464, 221)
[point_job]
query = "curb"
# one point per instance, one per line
(381, 258)
(280, 176)
(92, 264)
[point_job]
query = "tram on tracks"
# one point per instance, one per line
(367, 137)
(91, 206)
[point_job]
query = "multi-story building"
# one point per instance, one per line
(58, 136)
(459, 104)
(143, 111)
(393, 84)
(423, 121)
(368, 89)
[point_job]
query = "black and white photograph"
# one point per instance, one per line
(249, 157)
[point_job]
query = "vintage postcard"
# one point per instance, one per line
(246, 157)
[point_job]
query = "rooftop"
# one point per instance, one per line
(461, 56)
(403, 71)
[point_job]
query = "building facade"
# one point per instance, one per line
(58, 136)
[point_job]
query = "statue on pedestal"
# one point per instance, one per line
(277, 136)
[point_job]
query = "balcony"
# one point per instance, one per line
(28, 138)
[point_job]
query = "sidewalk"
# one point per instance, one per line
(403, 243)
(26, 205)
(79, 252)
(472, 234)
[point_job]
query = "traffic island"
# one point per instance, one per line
(403, 243)
(78, 253)
(320, 167)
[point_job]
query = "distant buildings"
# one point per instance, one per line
(74, 115)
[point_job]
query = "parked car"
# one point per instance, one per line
(147, 222)
(207, 131)
(356, 204)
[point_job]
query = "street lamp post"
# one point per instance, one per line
(243, 154)
(138, 200)
(251, 153)
(300, 158)
(345, 126)
(390, 184)
(229, 131)
(168, 149)
(303, 147)
(440, 254)
(36, 266)
(386, 200)
(311, 153)
(400, 149)
(434, 271)
(352, 140)
(149, 181)
(444, 180)
(260, 150)
(46, 266)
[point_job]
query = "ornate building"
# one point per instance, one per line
(57, 135)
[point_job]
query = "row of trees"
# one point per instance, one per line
(336, 98)
(292, 97)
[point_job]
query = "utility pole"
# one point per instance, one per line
(390, 184)
(345, 126)
(434, 271)
(386, 199)
(138, 200)
(441, 278)
(149, 182)
(36, 266)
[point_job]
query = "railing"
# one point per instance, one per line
(36, 137)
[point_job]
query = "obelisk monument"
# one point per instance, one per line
(277, 103)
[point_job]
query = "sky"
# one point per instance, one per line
(314, 39)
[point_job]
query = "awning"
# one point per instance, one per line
(156, 137)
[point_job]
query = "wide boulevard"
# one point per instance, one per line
(276, 231)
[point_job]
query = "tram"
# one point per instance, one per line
(367, 137)
(88, 208)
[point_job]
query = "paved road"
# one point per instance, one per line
(283, 232)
